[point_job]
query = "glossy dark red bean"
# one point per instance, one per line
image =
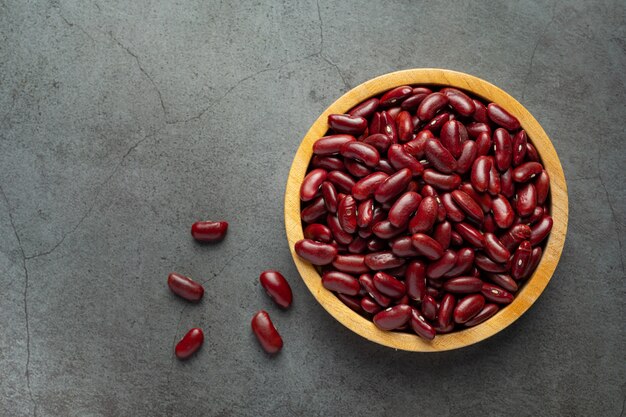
(441, 181)
(365, 109)
(365, 187)
(365, 213)
(536, 216)
(311, 184)
(385, 167)
(451, 138)
(431, 105)
(488, 311)
(427, 246)
(494, 187)
(358, 245)
(425, 216)
(484, 263)
(385, 230)
(429, 190)
(496, 294)
(316, 253)
(266, 333)
(403, 208)
(437, 122)
(189, 344)
(443, 233)
(374, 125)
(422, 90)
(503, 280)
(395, 96)
(468, 307)
(540, 230)
(480, 112)
(369, 305)
(277, 287)
(405, 126)
(527, 171)
(341, 282)
(389, 285)
(467, 157)
(503, 149)
(346, 213)
(526, 200)
(403, 247)
(399, 159)
(468, 205)
(503, 213)
(346, 124)
(521, 260)
(459, 101)
(378, 261)
(185, 287)
(513, 236)
(531, 153)
(519, 147)
(393, 317)
(367, 283)
(429, 307)
(470, 234)
(330, 145)
(416, 146)
(542, 185)
(446, 309)
(463, 285)
(495, 249)
(388, 126)
(393, 185)
(483, 199)
(342, 181)
(535, 258)
(208, 231)
(314, 211)
(455, 239)
(356, 169)
(502, 117)
(507, 188)
(475, 129)
(329, 193)
(412, 103)
(481, 173)
(437, 268)
(483, 144)
(376, 244)
(440, 157)
(420, 326)
(354, 303)
(362, 152)
(489, 225)
(415, 280)
(328, 163)
(350, 263)
(464, 262)
(380, 141)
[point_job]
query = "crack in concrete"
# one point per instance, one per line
(532, 56)
(25, 297)
(321, 51)
(71, 25)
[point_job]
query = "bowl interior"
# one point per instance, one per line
(558, 203)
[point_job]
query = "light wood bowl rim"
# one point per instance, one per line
(532, 288)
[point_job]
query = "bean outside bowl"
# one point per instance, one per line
(531, 289)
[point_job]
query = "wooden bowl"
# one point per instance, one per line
(526, 295)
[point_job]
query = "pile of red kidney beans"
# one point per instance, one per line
(425, 210)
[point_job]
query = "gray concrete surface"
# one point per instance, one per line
(122, 122)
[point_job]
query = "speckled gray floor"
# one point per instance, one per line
(122, 122)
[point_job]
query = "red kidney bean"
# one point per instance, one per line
(361, 152)
(330, 145)
(420, 326)
(442, 265)
(380, 141)
(480, 112)
(443, 233)
(495, 249)
(189, 344)
(385, 230)
(467, 157)
(319, 232)
(328, 163)
(395, 95)
(531, 153)
(527, 171)
(389, 285)
(475, 129)
(266, 333)
(403, 247)
(483, 144)
(416, 146)
(376, 244)
(439, 156)
(385, 167)
(463, 285)
(483, 199)
(276, 287)
(446, 309)
(367, 282)
(415, 280)
(403, 208)
(341, 282)
(346, 213)
(393, 113)
(316, 253)
(388, 126)
(399, 158)
(512, 237)
(429, 307)
(507, 188)
(366, 187)
(542, 185)
(208, 231)
(488, 311)
(393, 185)
(502, 117)
(365, 109)
(329, 193)
(356, 169)
(496, 294)
(405, 126)
(365, 213)
(422, 90)
(464, 262)
(431, 105)
(459, 101)
(481, 173)
(519, 147)
(455, 239)
(437, 122)
(468, 205)
(374, 126)
(429, 190)
(346, 124)
(453, 212)
(470, 234)
(427, 246)
(494, 187)
(393, 317)
(341, 236)
(354, 303)
(441, 181)
(503, 280)
(521, 259)
(536, 216)
(185, 287)
(369, 305)
(358, 245)
(311, 184)
(526, 200)
(489, 225)
(535, 257)
(351, 264)
(412, 103)
(425, 216)
(468, 307)
(450, 137)
(502, 212)
(503, 149)
(484, 263)
(540, 230)
(382, 260)
(341, 180)
(313, 211)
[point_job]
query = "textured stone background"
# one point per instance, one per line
(122, 122)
